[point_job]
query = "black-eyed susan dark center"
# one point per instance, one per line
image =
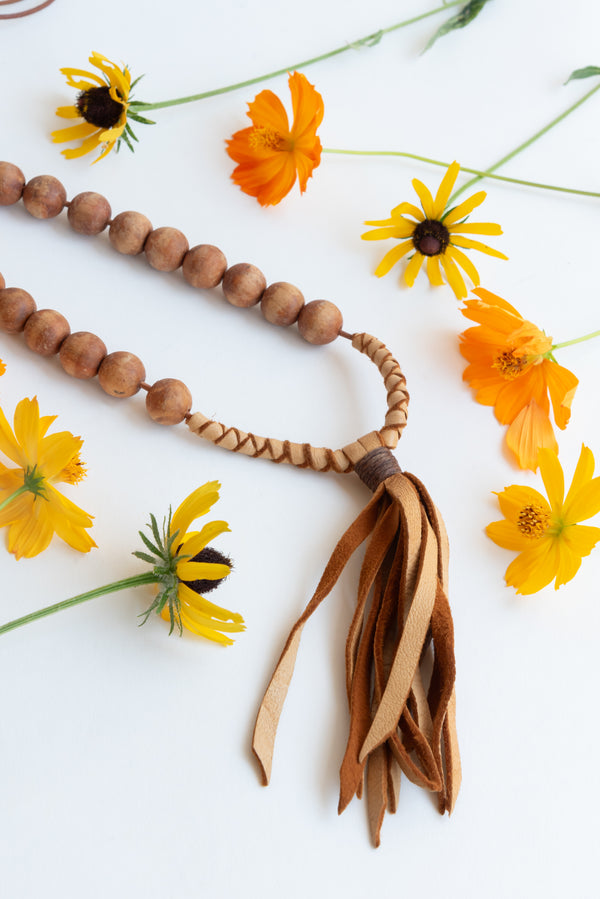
(533, 520)
(98, 108)
(431, 237)
(208, 554)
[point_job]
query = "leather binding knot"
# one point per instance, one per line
(400, 668)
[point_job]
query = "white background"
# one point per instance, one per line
(124, 754)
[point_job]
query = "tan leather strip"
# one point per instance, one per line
(394, 780)
(303, 455)
(411, 643)
(377, 792)
(272, 704)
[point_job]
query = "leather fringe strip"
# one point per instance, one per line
(400, 668)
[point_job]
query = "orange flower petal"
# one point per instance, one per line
(529, 432)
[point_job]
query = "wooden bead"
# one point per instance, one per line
(165, 249)
(320, 322)
(12, 182)
(89, 213)
(281, 303)
(121, 374)
(243, 284)
(16, 306)
(45, 331)
(168, 401)
(44, 197)
(2, 281)
(204, 266)
(128, 232)
(81, 354)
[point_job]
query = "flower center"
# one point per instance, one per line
(98, 108)
(74, 471)
(208, 554)
(431, 237)
(533, 520)
(264, 138)
(509, 364)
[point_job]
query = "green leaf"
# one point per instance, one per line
(148, 543)
(129, 131)
(462, 18)
(138, 118)
(144, 557)
(587, 72)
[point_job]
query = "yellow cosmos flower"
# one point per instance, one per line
(435, 233)
(102, 103)
(30, 505)
(546, 532)
(189, 568)
(2, 367)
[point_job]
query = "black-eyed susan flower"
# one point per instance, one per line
(435, 234)
(546, 532)
(184, 568)
(30, 505)
(104, 104)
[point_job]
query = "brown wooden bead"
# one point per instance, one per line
(320, 322)
(44, 197)
(45, 331)
(12, 182)
(2, 281)
(204, 266)
(165, 249)
(128, 232)
(16, 306)
(243, 284)
(121, 374)
(281, 303)
(168, 401)
(81, 354)
(89, 213)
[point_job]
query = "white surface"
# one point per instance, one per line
(125, 754)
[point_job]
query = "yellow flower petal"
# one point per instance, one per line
(191, 598)
(477, 245)
(408, 209)
(68, 112)
(455, 279)
(433, 271)
(534, 569)
(425, 197)
(75, 132)
(196, 504)
(553, 478)
(444, 190)
(192, 544)
(459, 212)
(507, 535)
(197, 571)
(392, 257)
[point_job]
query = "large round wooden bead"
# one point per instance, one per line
(81, 354)
(243, 284)
(16, 305)
(168, 401)
(121, 374)
(320, 322)
(165, 249)
(44, 197)
(281, 303)
(89, 213)
(128, 232)
(45, 331)
(204, 266)
(12, 182)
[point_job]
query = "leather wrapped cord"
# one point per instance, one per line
(304, 455)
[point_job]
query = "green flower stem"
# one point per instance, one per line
(524, 145)
(559, 346)
(9, 499)
(370, 39)
(135, 581)
(464, 168)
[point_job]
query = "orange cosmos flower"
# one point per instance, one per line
(511, 367)
(270, 154)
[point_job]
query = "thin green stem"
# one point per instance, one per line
(464, 168)
(369, 40)
(524, 145)
(135, 581)
(9, 499)
(559, 346)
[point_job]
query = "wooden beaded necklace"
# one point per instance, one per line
(400, 648)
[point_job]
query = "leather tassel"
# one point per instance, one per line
(400, 668)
